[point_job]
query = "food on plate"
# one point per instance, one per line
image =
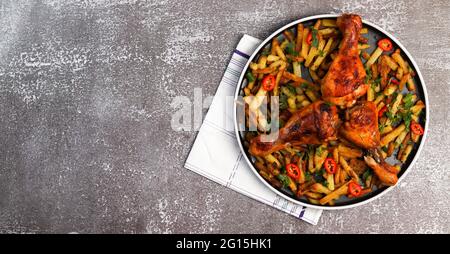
(346, 105)
(313, 124)
(345, 79)
(361, 126)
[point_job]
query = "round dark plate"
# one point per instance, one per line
(375, 33)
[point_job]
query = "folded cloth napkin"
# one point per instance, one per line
(216, 154)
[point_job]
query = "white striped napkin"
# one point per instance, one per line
(216, 154)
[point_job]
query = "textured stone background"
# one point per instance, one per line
(86, 143)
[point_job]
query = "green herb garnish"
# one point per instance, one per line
(408, 101)
(283, 101)
(366, 174)
(368, 75)
(307, 176)
(377, 81)
(321, 53)
(290, 49)
(284, 179)
(266, 52)
(250, 77)
(373, 86)
(319, 150)
(318, 176)
(291, 89)
(407, 116)
(315, 41)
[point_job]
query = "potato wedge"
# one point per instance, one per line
(348, 152)
(313, 195)
(406, 153)
(329, 23)
(343, 190)
(377, 53)
(320, 155)
(305, 45)
(318, 187)
(399, 59)
(298, 41)
(392, 135)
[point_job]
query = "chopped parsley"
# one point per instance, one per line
(366, 174)
(368, 75)
(408, 101)
(391, 116)
(315, 39)
(321, 53)
(304, 85)
(284, 179)
(394, 95)
(377, 81)
(283, 169)
(290, 49)
(407, 116)
(319, 151)
(266, 51)
(307, 176)
(250, 77)
(318, 176)
(291, 89)
(373, 86)
(283, 101)
(402, 115)
(329, 104)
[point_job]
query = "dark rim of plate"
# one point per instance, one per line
(374, 34)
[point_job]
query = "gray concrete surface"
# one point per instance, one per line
(86, 143)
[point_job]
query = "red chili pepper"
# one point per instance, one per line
(394, 81)
(293, 171)
(416, 128)
(354, 189)
(268, 82)
(385, 44)
(309, 39)
(330, 165)
(382, 111)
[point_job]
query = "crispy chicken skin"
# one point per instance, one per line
(313, 124)
(344, 82)
(384, 171)
(361, 125)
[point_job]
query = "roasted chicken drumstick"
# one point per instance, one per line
(361, 125)
(383, 170)
(345, 80)
(313, 124)
(361, 128)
